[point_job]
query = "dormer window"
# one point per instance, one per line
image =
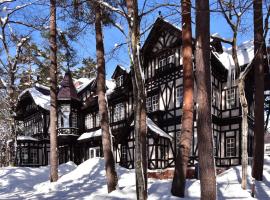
(119, 81)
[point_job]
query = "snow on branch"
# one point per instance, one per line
(110, 7)
(20, 44)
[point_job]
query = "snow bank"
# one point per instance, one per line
(18, 182)
(87, 181)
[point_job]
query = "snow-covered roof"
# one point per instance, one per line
(245, 53)
(124, 68)
(40, 99)
(153, 127)
(21, 138)
(26, 138)
(111, 86)
(82, 83)
(92, 134)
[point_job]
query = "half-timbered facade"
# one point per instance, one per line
(79, 133)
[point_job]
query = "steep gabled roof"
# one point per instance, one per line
(67, 90)
(160, 25)
(119, 68)
(40, 95)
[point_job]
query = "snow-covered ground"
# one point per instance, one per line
(87, 181)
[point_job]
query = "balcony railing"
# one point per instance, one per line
(166, 69)
(68, 131)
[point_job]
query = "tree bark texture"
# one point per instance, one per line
(140, 127)
(244, 106)
(204, 123)
(53, 94)
(185, 140)
(258, 154)
(111, 174)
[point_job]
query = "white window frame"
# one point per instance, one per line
(178, 96)
(96, 152)
(230, 98)
(171, 59)
(162, 62)
(89, 121)
(97, 120)
(119, 81)
(152, 103)
(119, 112)
(155, 103)
(230, 147)
(149, 104)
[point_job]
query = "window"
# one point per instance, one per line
(230, 147)
(74, 117)
(215, 145)
(152, 103)
(119, 81)
(171, 59)
(97, 120)
(94, 152)
(162, 62)
(123, 153)
(233, 76)
(119, 112)
(215, 97)
(33, 156)
(179, 96)
(230, 97)
(149, 104)
(155, 103)
(89, 121)
(24, 155)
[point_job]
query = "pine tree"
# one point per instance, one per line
(53, 94)
(183, 150)
(111, 174)
(204, 123)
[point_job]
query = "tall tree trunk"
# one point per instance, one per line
(257, 168)
(244, 107)
(203, 77)
(140, 128)
(183, 150)
(53, 94)
(103, 106)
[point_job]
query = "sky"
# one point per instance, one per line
(112, 37)
(85, 45)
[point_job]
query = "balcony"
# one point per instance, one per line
(68, 131)
(166, 69)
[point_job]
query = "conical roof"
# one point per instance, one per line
(67, 90)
